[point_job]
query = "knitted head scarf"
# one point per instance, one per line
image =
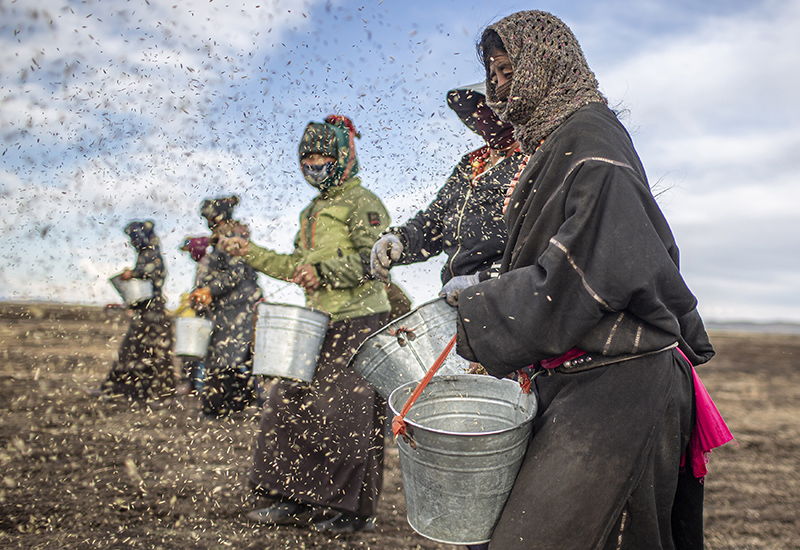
(333, 138)
(551, 77)
(216, 211)
(469, 103)
(142, 234)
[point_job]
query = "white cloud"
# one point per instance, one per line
(713, 113)
(112, 110)
(726, 75)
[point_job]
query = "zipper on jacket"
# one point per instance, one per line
(313, 219)
(473, 183)
(458, 226)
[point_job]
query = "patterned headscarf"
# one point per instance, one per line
(218, 210)
(334, 138)
(551, 77)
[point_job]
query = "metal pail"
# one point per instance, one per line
(405, 349)
(133, 290)
(470, 434)
(192, 335)
(288, 340)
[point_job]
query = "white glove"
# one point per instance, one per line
(454, 286)
(385, 251)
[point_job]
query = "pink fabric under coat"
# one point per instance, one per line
(710, 430)
(554, 362)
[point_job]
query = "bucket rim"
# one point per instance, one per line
(385, 328)
(194, 319)
(442, 541)
(294, 306)
(118, 278)
(443, 378)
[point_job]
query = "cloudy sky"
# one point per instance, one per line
(113, 110)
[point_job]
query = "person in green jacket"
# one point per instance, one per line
(320, 446)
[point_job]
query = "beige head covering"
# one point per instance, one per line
(551, 77)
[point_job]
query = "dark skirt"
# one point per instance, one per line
(228, 386)
(322, 443)
(602, 470)
(143, 368)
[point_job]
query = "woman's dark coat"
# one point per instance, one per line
(464, 221)
(143, 368)
(229, 386)
(591, 264)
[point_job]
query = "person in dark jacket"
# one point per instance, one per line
(143, 368)
(465, 220)
(229, 289)
(590, 293)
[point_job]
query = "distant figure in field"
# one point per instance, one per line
(143, 368)
(229, 289)
(192, 368)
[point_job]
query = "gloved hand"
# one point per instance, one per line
(235, 246)
(201, 296)
(476, 368)
(385, 251)
(454, 286)
(306, 276)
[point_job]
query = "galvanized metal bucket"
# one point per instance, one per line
(192, 335)
(404, 350)
(288, 340)
(468, 436)
(132, 290)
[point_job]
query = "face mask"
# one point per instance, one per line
(502, 92)
(317, 174)
(497, 134)
(138, 239)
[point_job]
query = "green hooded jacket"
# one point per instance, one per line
(337, 231)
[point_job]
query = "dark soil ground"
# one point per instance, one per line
(81, 473)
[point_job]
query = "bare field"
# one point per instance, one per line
(81, 473)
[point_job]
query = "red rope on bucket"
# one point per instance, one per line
(524, 381)
(398, 422)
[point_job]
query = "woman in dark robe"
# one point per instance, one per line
(229, 289)
(143, 368)
(590, 294)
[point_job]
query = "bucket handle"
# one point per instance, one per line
(403, 334)
(399, 426)
(255, 322)
(278, 291)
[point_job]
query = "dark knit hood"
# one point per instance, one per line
(551, 77)
(469, 103)
(218, 210)
(142, 234)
